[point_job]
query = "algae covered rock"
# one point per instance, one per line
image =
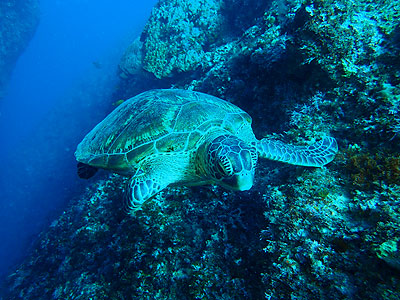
(183, 35)
(188, 245)
(178, 35)
(389, 252)
(18, 22)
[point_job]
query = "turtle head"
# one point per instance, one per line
(231, 162)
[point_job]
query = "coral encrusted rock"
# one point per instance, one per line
(178, 33)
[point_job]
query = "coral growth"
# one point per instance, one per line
(178, 34)
(183, 245)
(372, 170)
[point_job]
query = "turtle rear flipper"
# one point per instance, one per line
(315, 155)
(85, 171)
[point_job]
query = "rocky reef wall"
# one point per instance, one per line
(300, 68)
(18, 22)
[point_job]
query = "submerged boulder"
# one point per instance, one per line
(182, 36)
(18, 22)
(178, 33)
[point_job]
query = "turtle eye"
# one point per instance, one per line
(226, 165)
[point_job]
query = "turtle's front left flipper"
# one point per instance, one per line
(315, 155)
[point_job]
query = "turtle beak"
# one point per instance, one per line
(242, 181)
(245, 181)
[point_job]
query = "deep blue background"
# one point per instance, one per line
(61, 87)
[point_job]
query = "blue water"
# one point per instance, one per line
(61, 87)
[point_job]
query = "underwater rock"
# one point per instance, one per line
(187, 245)
(18, 22)
(178, 34)
(293, 237)
(389, 252)
(182, 36)
(131, 61)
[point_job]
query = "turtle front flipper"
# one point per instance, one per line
(142, 188)
(152, 177)
(315, 155)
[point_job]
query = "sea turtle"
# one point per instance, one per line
(173, 136)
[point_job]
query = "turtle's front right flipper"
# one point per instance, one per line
(315, 155)
(140, 189)
(152, 178)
